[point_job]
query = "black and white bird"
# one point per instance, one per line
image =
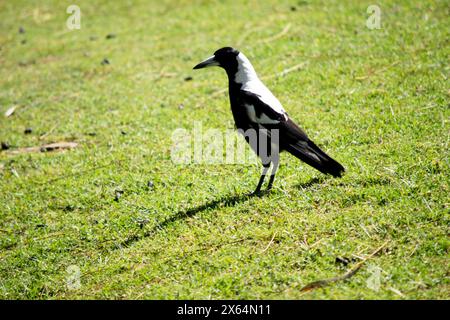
(254, 107)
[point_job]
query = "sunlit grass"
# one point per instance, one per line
(376, 100)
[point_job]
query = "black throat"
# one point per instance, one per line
(234, 88)
(231, 68)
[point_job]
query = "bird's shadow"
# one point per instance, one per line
(225, 201)
(310, 183)
(221, 202)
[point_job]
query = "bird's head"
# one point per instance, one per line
(235, 63)
(225, 58)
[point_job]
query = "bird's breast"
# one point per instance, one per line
(241, 118)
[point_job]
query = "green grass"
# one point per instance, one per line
(376, 100)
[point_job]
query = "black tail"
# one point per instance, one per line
(308, 152)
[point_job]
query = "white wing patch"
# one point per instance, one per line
(245, 71)
(247, 76)
(258, 88)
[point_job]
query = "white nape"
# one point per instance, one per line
(245, 71)
(246, 75)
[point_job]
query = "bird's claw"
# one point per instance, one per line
(259, 193)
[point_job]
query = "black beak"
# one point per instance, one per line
(211, 61)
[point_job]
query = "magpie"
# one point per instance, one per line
(256, 109)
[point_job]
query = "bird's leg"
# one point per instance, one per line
(261, 179)
(272, 175)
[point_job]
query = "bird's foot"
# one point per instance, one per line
(259, 193)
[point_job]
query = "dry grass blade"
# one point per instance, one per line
(218, 92)
(10, 111)
(350, 273)
(57, 146)
(278, 35)
(270, 242)
(286, 71)
(377, 71)
(247, 33)
(48, 132)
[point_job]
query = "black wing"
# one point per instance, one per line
(260, 106)
(295, 141)
(292, 138)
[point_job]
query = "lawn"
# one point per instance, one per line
(116, 218)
